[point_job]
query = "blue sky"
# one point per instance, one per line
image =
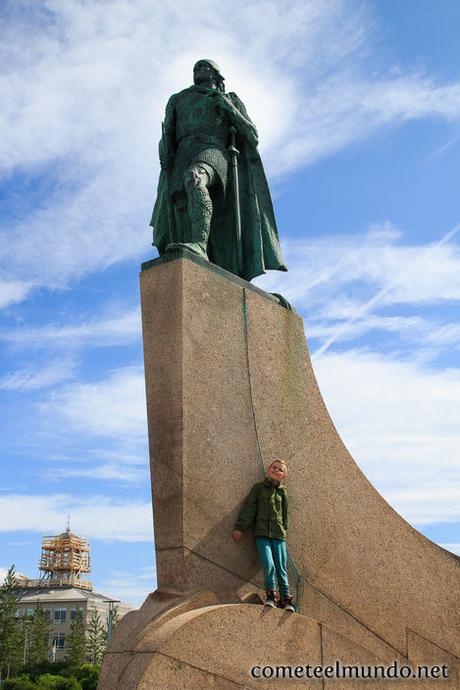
(358, 110)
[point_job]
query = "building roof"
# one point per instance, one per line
(44, 594)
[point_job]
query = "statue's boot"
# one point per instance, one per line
(199, 209)
(195, 247)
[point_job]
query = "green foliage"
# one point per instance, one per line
(87, 675)
(76, 640)
(57, 668)
(10, 633)
(56, 676)
(21, 682)
(49, 682)
(46, 681)
(95, 638)
(39, 634)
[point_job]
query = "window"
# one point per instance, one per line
(59, 640)
(73, 614)
(47, 613)
(60, 615)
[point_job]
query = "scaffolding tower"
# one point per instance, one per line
(64, 559)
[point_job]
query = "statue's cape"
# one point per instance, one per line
(259, 233)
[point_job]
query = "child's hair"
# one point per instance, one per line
(280, 462)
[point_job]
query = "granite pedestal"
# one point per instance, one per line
(230, 387)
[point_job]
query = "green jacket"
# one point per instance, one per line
(266, 506)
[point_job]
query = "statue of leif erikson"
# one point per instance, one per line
(213, 198)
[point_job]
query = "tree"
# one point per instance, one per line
(95, 638)
(10, 633)
(39, 636)
(76, 641)
(24, 622)
(115, 617)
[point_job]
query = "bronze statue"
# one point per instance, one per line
(213, 198)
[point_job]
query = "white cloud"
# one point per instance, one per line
(12, 291)
(410, 327)
(455, 548)
(131, 587)
(82, 104)
(340, 284)
(126, 461)
(109, 471)
(416, 274)
(426, 504)
(88, 71)
(99, 331)
(447, 334)
(402, 427)
(348, 108)
(98, 517)
(386, 294)
(33, 378)
(114, 407)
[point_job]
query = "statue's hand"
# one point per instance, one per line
(224, 102)
(243, 125)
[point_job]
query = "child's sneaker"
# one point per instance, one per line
(286, 603)
(270, 598)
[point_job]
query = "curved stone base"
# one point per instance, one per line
(217, 646)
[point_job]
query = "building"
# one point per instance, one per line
(62, 589)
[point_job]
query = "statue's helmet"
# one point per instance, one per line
(213, 64)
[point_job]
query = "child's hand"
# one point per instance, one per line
(237, 535)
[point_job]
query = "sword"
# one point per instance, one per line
(234, 155)
(168, 199)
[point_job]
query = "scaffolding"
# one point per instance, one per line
(64, 559)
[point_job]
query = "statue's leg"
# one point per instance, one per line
(197, 178)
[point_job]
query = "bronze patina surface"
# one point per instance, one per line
(213, 197)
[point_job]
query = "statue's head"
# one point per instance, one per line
(207, 73)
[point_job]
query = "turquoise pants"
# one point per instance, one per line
(273, 557)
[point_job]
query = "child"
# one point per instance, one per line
(266, 506)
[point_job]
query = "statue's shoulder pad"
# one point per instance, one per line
(184, 92)
(178, 96)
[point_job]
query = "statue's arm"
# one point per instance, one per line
(167, 145)
(239, 117)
